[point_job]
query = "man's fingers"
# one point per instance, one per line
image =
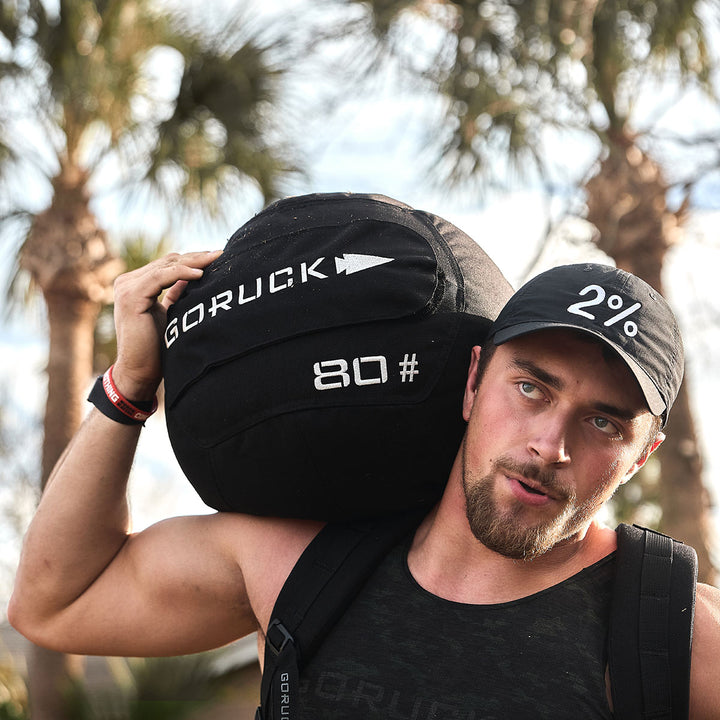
(174, 267)
(196, 261)
(149, 281)
(173, 293)
(140, 317)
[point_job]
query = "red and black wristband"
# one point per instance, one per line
(110, 402)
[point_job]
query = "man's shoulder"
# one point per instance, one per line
(705, 668)
(266, 549)
(707, 619)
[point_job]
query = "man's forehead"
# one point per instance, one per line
(569, 342)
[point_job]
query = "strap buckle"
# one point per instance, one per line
(277, 637)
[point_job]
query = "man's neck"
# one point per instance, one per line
(447, 560)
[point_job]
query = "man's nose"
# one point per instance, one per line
(549, 439)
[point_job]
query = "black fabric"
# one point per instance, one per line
(317, 368)
(326, 577)
(399, 651)
(311, 601)
(652, 622)
(683, 580)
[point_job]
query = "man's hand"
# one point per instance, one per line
(140, 318)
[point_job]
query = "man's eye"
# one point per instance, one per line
(604, 425)
(528, 389)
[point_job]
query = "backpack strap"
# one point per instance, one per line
(650, 635)
(325, 579)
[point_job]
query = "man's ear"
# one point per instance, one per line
(644, 457)
(472, 383)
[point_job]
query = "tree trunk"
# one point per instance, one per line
(48, 674)
(626, 203)
(71, 321)
(685, 504)
(68, 257)
(70, 367)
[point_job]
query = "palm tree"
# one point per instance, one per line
(515, 74)
(88, 103)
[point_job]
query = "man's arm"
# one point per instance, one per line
(85, 584)
(705, 668)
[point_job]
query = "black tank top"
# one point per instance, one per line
(401, 653)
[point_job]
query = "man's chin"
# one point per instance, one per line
(510, 540)
(513, 528)
(514, 535)
(526, 551)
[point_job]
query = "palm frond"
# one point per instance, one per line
(510, 70)
(224, 125)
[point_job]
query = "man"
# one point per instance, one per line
(495, 607)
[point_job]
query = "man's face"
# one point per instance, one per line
(553, 428)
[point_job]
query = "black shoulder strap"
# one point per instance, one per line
(325, 579)
(651, 625)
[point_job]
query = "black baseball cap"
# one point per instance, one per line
(613, 305)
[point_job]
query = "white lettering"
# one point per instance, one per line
(274, 287)
(171, 332)
(380, 359)
(241, 293)
(285, 695)
(333, 374)
(306, 271)
(274, 282)
(222, 300)
(187, 324)
(577, 308)
(331, 369)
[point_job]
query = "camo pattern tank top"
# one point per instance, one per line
(402, 653)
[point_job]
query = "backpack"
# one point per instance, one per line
(649, 637)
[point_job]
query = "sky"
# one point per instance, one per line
(375, 144)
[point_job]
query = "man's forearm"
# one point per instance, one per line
(82, 520)
(81, 525)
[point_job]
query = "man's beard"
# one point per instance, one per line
(505, 532)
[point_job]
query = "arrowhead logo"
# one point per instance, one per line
(351, 263)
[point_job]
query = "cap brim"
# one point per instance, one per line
(650, 392)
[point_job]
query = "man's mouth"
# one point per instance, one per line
(531, 489)
(528, 491)
(529, 483)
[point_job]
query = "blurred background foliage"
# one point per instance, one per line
(193, 115)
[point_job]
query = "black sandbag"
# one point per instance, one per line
(317, 368)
